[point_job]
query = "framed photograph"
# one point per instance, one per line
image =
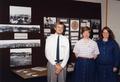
(49, 22)
(95, 23)
(84, 22)
(19, 43)
(19, 28)
(74, 25)
(20, 57)
(20, 15)
(20, 36)
(95, 37)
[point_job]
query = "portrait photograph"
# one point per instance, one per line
(74, 25)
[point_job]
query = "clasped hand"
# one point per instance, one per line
(58, 68)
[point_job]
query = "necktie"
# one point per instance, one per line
(57, 51)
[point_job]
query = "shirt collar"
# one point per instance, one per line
(89, 40)
(58, 35)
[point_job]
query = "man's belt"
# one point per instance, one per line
(58, 61)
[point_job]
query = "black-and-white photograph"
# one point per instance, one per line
(19, 28)
(49, 22)
(19, 43)
(95, 37)
(20, 57)
(84, 22)
(20, 15)
(95, 23)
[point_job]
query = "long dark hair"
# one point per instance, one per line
(111, 35)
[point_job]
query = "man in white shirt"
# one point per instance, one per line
(57, 54)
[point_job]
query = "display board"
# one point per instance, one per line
(73, 27)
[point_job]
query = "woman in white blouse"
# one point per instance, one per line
(86, 51)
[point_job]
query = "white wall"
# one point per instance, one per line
(114, 18)
(113, 15)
